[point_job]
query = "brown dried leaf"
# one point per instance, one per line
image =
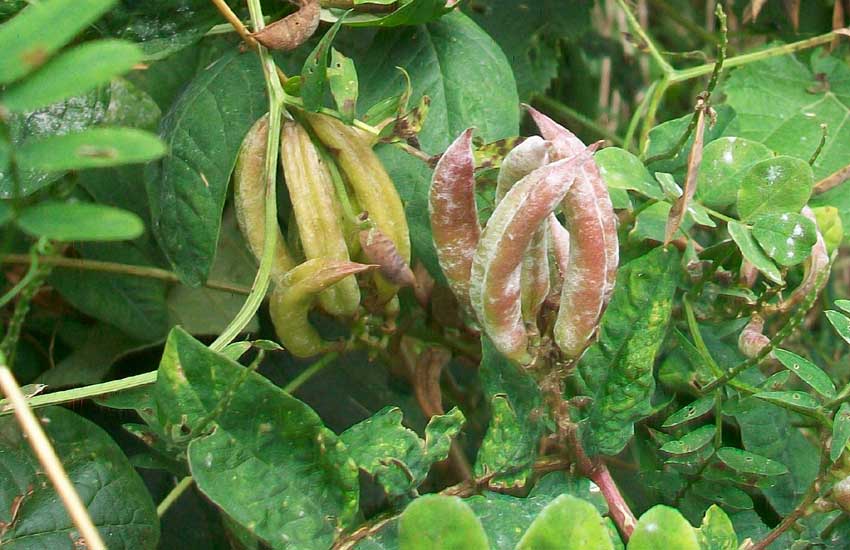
(293, 30)
(677, 213)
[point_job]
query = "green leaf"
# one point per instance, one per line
(447, 61)
(412, 12)
(534, 42)
(831, 227)
(118, 501)
(841, 324)
(73, 73)
(79, 221)
(394, 455)
(750, 463)
(246, 428)
(716, 531)
(665, 136)
(663, 527)
(785, 113)
(91, 148)
(775, 186)
(567, 523)
(743, 237)
(840, 432)
(691, 412)
(203, 131)
(618, 367)
(436, 522)
(806, 371)
(787, 238)
(724, 163)
(342, 78)
(691, 442)
(622, 170)
(793, 400)
(511, 441)
(843, 304)
(314, 73)
(37, 32)
(730, 497)
(651, 222)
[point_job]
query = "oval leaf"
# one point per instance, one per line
(32, 36)
(437, 522)
(716, 531)
(73, 73)
(787, 238)
(691, 442)
(724, 162)
(742, 236)
(806, 371)
(663, 527)
(622, 170)
(775, 186)
(567, 523)
(80, 221)
(840, 431)
(841, 324)
(750, 463)
(794, 400)
(690, 412)
(93, 148)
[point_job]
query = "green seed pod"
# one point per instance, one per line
(317, 213)
(454, 215)
(495, 289)
(291, 301)
(375, 191)
(249, 198)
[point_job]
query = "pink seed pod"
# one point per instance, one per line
(495, 285)
(559, 259)
(566, 144)
(522, 160)
(293, 30)
(380, 250)
(752, 339)
(454, 215)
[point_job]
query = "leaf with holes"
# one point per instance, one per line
(691, 412)
(806, 371)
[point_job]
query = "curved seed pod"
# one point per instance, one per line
(559, 259)
(523, 159)
(495, 283)
(249, 197)
(752, 339)
(317, 213)
(586, 290)
(372, 186)
(815, 273)
(454, 215)
(566, 144)
(293, 30)
(291, 302)
(380, 250)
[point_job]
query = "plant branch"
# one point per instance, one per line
(653, 50)
(117, 268)
(310, 371)
(173, 495)
(235, 22)
(49, 461)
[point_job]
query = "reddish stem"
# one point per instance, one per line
(617, 507)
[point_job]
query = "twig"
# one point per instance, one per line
(118, 268)
(824, 133)
(647, 41)
(235, 22)
(49, 461)
(173, 495)
(310, 371)
(833, 180)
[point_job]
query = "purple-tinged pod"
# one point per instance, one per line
(566, 144)
(752, 340)
(293, 30)
(559, 259)
(586, 287)
(522, 160)
(380, 250)
(454, 215)
(291, 301)
(495, 289)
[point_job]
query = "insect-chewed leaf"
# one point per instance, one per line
(840, 431)
(495, 279)
(293, 30)
(454, 215)
(750, 463)
(691, 442)
(314, 74)
(794, 400)
(291, 301)
(806, 371)
(690, 412)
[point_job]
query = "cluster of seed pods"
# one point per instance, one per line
(320, 271)
(525, 261)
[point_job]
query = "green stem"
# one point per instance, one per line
(653, 50)
(676, 16)
(262, 280)
(561, 111)
(22, 284)
(651, 110)
(744, 59)
(636, 116)
(9, 344)
(173, 495)
(118, 268)
(309, 372)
